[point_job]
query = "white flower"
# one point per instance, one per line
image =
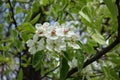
(72, 42)
(51, 34)
(53, 38)
(62, 32)
(35, 45)
(32, 44)
(46, 24)
(56, 45)
(56, 25)
(42, 29)
(41, 44)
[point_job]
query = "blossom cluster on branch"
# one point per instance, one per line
(54, 37)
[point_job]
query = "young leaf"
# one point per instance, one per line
(20, 75)
(25, 37)
(64, 67)
(28, 17)
(26, 27)
(112, 7)
(37, 59)
(85, 16)
(18, 10)
(44, 2)
(80, 59)
(69, 53)
(96, 36)
(109, 73)
(35, 19)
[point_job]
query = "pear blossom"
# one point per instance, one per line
(32, 43)
(53, 38)
(56, 45)
(35, 45)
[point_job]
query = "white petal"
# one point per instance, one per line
(73, 45)
(35, 37)
(50, 48)
(46, 24)
(32, 50)
(53, 37)
(56, 25)
(38, 26)
(30, 43)
(49, 45)
(60, 32)
(41, 45)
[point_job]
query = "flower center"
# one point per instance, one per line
(35, 44)
(53, 33)
(66, 31)
(41, 32)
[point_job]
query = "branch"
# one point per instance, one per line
(15, 23)
(49, 72)
(95, 57)
(12, 11)
(104, 50)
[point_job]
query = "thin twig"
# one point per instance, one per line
(12, 11)
(15, 23)
(49, 72)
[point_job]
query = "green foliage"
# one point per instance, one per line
(96, 36)
(44, 2)
(20, 75)
(18, 10)
(35, 19)
(38, 60)
(26, 28)
(80, 60)
(4, 59)
(112, 7)
(64, 68)
(110, 74)
(96, 22)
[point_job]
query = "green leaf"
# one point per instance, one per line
(110, 74)
(20, 75)
(96, 36)
(28, 17)
(64, 68)
(112, 8)
(18, 9)
(26, 37)
(69, 53)
(22, 0)
(4, 59)
(80, 59)
(44, 2)
(26, 27)
(114, 58)
(14, 34)
(85, 16)
(38, 60)
(19, 44)
(35, 19)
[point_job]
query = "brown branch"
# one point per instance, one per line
(49, 72)
(95, 57)
(12, 11)
(104, 50)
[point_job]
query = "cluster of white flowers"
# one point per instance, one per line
(53, 38)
